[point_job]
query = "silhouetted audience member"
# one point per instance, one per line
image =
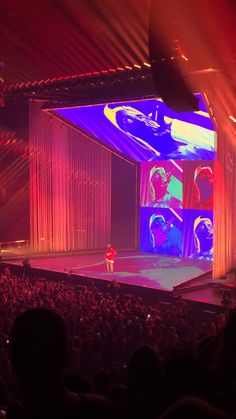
(145, 384)
(106, 326)
(193, 408)
(101, 383)
(227, 366)
(38, 354)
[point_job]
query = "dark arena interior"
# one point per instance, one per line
(117, 209)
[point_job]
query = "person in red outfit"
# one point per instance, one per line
(110, 258)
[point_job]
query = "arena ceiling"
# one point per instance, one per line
(44, 39)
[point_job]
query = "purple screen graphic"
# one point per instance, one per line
(147, 130)
(161, 231)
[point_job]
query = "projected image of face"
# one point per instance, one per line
(153, 133)
(147, 130)
(163, 184)
(203, 178)
(159, 181)
(203, 238)
(166, 238)
(132, 120)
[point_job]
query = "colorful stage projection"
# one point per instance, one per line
(176, 151)
(177, 208)
(147, 130)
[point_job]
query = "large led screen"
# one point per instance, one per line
(147, 130)
(177, 208)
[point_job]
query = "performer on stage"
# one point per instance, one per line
(110, 258)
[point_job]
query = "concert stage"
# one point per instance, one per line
(140, 269)
(191, 278)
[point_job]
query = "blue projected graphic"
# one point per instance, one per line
(147, 130)
(161, 231)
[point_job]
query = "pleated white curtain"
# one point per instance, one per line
(70, 186)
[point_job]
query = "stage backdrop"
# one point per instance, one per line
(176, 153)
(70, 186)
(176, 194)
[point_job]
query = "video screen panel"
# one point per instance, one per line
(147, 130)
(161, 184)
(198, 184)
(161, 231)
(198, 234)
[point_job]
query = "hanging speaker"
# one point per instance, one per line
(166, 57)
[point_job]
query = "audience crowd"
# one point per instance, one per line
(69, 351)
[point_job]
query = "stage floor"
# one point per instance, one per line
(134, 268)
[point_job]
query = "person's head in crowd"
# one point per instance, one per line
(230, 334)
(145, 374)
(26, 263)
(38, 353)
(78, 383)
(38, 346)
(203, 180)
(101, 382)
(193, 408)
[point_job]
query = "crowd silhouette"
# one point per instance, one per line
(76, 351)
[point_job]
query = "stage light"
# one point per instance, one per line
(232, 118)
(185, 58)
